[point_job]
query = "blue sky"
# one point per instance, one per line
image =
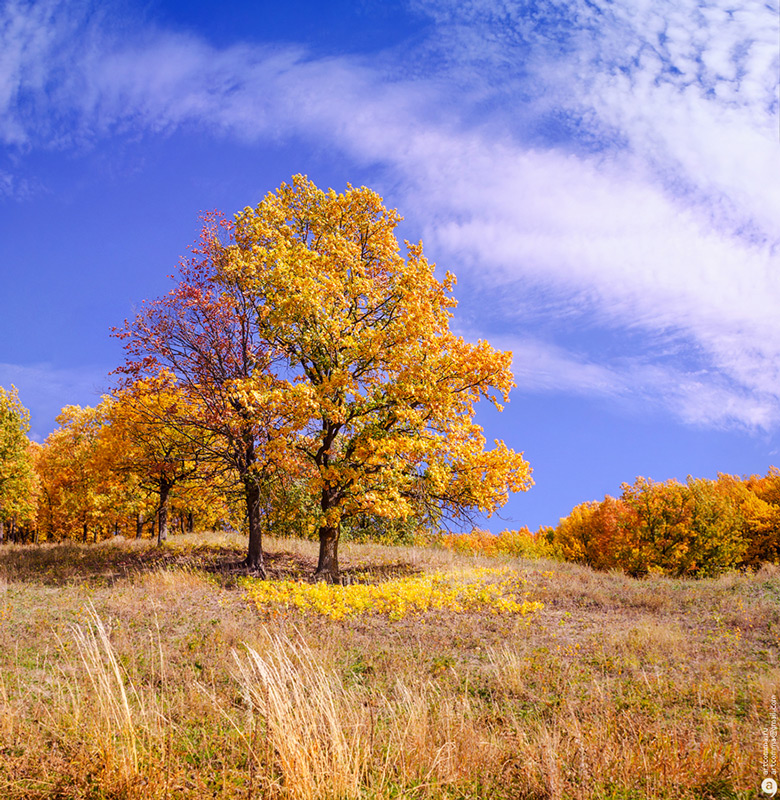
(603, 178)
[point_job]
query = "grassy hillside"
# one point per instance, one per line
(128, 671)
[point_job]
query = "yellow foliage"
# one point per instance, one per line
(18, 482)
(497, 591)
(380, 394)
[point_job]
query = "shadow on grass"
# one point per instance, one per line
(107, 563)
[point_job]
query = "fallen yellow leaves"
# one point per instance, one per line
(494, 590)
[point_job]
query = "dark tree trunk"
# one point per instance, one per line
(139, 526)
(162, 513)
(85, 533)
(254, 558)
(190, 522)
(2, 529)
(328, 565)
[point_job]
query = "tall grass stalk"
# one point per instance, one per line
(319, 735)
(113, 715)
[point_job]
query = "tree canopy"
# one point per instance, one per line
(380, 392)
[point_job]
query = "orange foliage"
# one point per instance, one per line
(483, 543)
(699, 528)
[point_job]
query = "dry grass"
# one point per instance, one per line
(319, 736)
(130, 672)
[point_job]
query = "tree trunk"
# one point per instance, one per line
(2, 529)
(190, 522)
(254, 558)
(162, 514)
(139, 526)
(328, 565)
(85, 533)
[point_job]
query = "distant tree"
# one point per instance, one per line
(146, 432)
(760, 507)
(657, 526)
(717, 539)
(17, 477)
(593, 533)
(79, 494)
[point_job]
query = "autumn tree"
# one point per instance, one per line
(593, 533)
(379, 391)
(716, 539)
(204, 335)
(146, 429)
(760, 507)
(17, 478)
(79, 491)
(657, 525)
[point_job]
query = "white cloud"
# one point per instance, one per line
(675, 230)
(696, 398)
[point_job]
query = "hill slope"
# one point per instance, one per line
(127, 671)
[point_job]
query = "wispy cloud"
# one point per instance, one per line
(701, 398)
(654, 207)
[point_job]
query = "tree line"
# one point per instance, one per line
(698, 528)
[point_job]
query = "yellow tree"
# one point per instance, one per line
(17, 478)
(379, 391)
(80, 491)
(760, 506)
(146, 428)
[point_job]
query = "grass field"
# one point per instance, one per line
(130, 671)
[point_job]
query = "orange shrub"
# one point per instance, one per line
(699, 528)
